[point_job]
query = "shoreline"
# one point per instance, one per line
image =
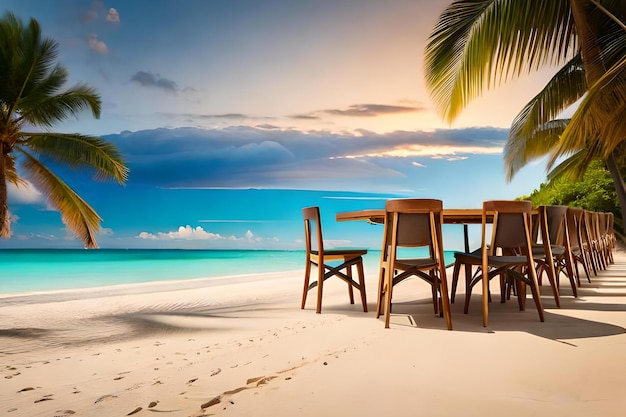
(246, 348)
(142, 287)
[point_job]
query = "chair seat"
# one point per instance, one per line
(539, 250)
(475, 258)
(416, 262)
(341, 252)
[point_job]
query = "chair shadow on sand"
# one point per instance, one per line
(560, 324)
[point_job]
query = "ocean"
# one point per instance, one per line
(41, 270)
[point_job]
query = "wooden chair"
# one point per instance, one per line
(552, 221)
(413, 223)
(610, 235)
(316, 255)
(575, 229)
(604, 239)
(506, 254)
(590, 244)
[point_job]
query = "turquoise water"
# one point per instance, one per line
(44, 269)
(28, 270)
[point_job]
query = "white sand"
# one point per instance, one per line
(242, 347)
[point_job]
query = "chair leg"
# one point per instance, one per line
(307, 276)
(586, 268)
(569, 270)
(388, 292)
(577, 273)
(320, 286)
(468, 295)
(435, 291)
(445, 301)
(361, 273)
(350, 290)
(455, 279)
(551, 272)
(521, 294)
(537, 297)
(381, 292)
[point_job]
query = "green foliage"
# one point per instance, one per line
(595, 191)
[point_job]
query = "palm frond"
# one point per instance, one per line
(35, 59)
(598, 116)
(520, 150)
(10, 171)
(573, 167)
(478, 44)
(47, 87)
(76, 214)
(566, 87)
(78, 151)
(49, 110)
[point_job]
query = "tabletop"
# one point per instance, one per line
(450, 216)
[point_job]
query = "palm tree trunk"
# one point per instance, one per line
(5, 218)
(618, 181)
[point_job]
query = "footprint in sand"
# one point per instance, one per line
(45, 398)
(64, 413)
(135, 411)
(211, 402)
(105, 398)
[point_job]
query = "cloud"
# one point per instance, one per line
(113, 16)
(196, 233)
(304, 117)
(224, 116)
(24, 194)
(249, 157)
(417, 164)
(148, 79)
(452, 158)
(93, 12)
(96, 45)
(106, 231)
(373, 110)
(183, 233)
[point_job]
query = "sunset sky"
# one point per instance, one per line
(212, 97)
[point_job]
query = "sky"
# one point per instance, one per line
(232, 115)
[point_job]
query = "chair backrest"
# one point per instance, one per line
(575, 222)
(610, 224)
(313, 230)
(602, 225)
(555, 218)
(415, 222)
(511, 230)
(591, 224)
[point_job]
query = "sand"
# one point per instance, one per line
(241, 346)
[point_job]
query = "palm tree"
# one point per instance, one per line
(478, 44)
(31, 98)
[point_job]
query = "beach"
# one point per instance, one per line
(241, 346)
